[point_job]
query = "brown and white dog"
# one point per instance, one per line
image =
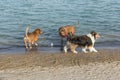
(64, 31)
(84, 41)
(31, 38)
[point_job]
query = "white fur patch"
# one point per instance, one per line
(65, 49)
(92, 38)
(92, 49)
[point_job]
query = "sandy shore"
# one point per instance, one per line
(97, 71)
(104, 65)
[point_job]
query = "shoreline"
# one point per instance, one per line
(48, 49)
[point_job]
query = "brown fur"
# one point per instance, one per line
(31, 38)
(65, 30)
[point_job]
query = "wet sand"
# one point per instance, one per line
(104, 65)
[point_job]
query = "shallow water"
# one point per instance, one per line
(102, 16)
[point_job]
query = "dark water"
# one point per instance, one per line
(102, 16)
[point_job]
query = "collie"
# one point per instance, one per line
(84, 41)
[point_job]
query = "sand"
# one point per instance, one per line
(98, 71)
(104, 65)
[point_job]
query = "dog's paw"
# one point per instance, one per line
(26, 47)
(95, 51)
(75, 52)
(65, 49)
(36, 44)
(30, 47)
(85, 51)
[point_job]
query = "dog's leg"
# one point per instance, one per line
(30, 45)
(84, 50)
(90, 48)
(94, 50)
(26, 45)
(75, 52)
(61, 44)
(73, 47)
(36, 44)
(66, 47)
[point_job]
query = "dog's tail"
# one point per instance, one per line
(26, 32)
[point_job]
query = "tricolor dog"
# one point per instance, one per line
(84, 41)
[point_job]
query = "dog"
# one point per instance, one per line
(84, 41)
(65, 30)
(31, 38)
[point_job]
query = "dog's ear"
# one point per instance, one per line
(62, 32)
(95, 34)
(61, 29)
(38, 31)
